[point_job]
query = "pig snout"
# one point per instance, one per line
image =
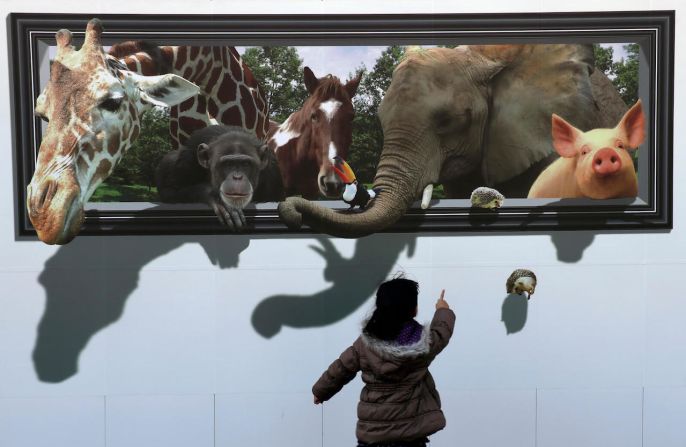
(606, 162)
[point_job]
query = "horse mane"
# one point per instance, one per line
(330, 87)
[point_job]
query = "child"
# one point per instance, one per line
(399, 405)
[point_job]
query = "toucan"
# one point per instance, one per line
(354, 193)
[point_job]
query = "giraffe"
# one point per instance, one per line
(93, 103)
(229, 92)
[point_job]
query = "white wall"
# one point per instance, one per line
(154, 341)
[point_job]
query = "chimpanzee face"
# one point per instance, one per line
(234, 162)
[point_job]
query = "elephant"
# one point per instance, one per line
(476, 115)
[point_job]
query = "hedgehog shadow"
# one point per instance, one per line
(480, 217)
(569, 244)
(514, 312)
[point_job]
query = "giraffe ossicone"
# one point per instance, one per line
(93, 106)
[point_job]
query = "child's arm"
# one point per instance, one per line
(341, 371)
(441, 327)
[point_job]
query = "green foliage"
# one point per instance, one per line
(280, 73)
(134, 176)
(367, 133)
(603, 58)
(626, 72)
(124, 193)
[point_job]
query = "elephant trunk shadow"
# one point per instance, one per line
(354, 281)
(88, 281)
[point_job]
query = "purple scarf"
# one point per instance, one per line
(410, 333)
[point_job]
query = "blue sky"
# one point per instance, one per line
(342, 60)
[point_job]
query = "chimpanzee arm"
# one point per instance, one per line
(180, 179)
(229, 216)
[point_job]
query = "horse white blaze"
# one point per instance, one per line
(330, 108)
(333, 152)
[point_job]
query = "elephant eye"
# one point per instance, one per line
(449, 121)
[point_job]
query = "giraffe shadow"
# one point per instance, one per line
(87, 283)
(354, 280)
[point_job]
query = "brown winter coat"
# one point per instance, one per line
(399, 401)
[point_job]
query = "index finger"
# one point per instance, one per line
(442, 294)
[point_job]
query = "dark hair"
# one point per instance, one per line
(396, 301)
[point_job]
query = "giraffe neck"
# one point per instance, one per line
(229, 93)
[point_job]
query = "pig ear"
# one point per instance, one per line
(564, 137)
(633, 125)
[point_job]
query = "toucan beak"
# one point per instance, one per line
(343, 170)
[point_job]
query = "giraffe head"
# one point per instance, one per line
(92, 104)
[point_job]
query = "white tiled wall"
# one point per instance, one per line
(664, 412)
(593, 417)
(164, 420)
(216, 340)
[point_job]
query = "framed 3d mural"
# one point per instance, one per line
(346, 125)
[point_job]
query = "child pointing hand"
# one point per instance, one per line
(399, 405)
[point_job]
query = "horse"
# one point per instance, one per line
(308, 141)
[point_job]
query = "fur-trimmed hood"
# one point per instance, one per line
(399, 400)
(392, 349)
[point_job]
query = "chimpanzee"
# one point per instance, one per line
(223, 166)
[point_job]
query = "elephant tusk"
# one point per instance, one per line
(426, 196)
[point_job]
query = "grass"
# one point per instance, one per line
(141, 193)
(124, 193)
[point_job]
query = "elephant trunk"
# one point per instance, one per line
(399, 178)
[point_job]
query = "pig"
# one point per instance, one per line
(594, 164)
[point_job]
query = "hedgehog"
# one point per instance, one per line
(520, 281)
(484, 197)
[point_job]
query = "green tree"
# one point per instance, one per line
(137, 166)
(279, 71)
(626, 74)
(603, 58)
(367, 133)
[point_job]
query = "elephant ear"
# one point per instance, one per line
(538, 81)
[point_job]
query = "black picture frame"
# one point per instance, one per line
(655, 28)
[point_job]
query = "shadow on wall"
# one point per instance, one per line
(514, 312)
(78, 306)
(354, 281)
(570, 245)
